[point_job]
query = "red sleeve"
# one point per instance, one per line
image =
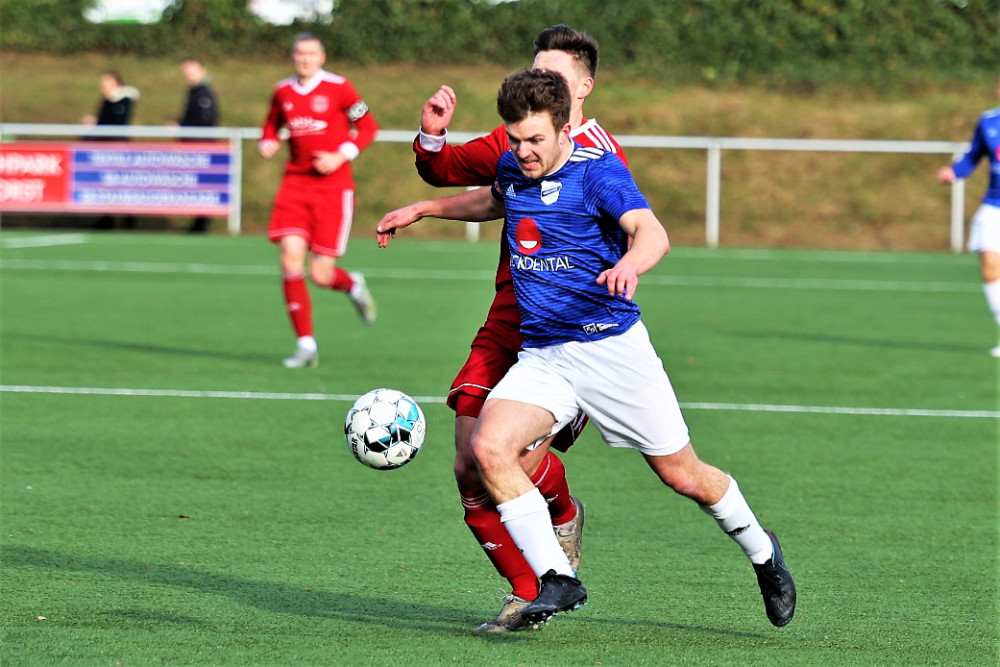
(472, 163)
(273, 121)
(362, 121)
(366, 128)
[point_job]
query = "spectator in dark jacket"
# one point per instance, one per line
(117, 106)
(201, 110)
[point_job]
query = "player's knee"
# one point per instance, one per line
(320, 275)
(488, 453)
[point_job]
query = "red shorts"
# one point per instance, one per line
(494, 351)
(318, 211)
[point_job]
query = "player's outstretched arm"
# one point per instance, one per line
(649, 245)
(472, 206)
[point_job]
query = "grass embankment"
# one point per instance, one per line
(832, 200)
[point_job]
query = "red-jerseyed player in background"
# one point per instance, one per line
(329, 125)
(494, 349)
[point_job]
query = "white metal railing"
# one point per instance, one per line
(712, 145)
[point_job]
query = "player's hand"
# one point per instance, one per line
(437, 112)
(621, 279)
(393, 220)
(946, 175)
(327, 162)
(268, 148)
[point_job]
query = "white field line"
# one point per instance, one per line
(44, 241)
(349, 398)
(466, 275)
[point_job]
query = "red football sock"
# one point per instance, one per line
(342, 280)
(483, 519)
(298, 304)
(550, 479)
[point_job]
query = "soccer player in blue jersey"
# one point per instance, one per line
(581, 233)
(984, 232)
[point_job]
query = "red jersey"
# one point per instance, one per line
(325, 114)
(475, 163)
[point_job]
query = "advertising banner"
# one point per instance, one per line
(154, 178)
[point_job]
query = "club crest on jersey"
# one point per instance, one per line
(528, 238)
(550, 192)
(287, 106)
(320, 103)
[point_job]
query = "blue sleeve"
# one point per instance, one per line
(611, 188)
(964, 167)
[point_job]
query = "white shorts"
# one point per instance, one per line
(618, 382)
(984, 230)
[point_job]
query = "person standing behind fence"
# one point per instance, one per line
(116, 108)
(201, 110)
(329, 125)
(117, 104)
(984, 232)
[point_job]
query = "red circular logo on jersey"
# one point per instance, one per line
(527, 236)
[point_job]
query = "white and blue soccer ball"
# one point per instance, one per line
(385, 429)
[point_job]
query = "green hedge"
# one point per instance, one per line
(797, 40)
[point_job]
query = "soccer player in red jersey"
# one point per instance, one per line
(574, 55)
(329, 125)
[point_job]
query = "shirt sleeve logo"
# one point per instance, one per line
(529, 239)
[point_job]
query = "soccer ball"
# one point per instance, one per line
(385, 429)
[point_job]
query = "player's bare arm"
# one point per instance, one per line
(649, 245)
(471, 206)
(437, 112)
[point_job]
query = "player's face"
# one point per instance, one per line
(308, 56)
(538, 147)
(563, 63)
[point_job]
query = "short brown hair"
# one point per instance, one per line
(578, 44)
(528, 91)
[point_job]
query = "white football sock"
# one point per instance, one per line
(992, 291)
(734, 516)
(307, 343)
(527, 520)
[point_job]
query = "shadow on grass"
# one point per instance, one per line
(286, 599)
(145, 348)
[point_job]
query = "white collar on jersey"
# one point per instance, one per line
(583, 127)
(310, 85)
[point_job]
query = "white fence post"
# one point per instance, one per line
(957, 211)
(235, 221)
(713, 194)
(472, 228)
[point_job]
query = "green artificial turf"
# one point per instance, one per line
(171, 494)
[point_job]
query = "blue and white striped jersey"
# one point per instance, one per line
(563, 231)
(985, 143)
